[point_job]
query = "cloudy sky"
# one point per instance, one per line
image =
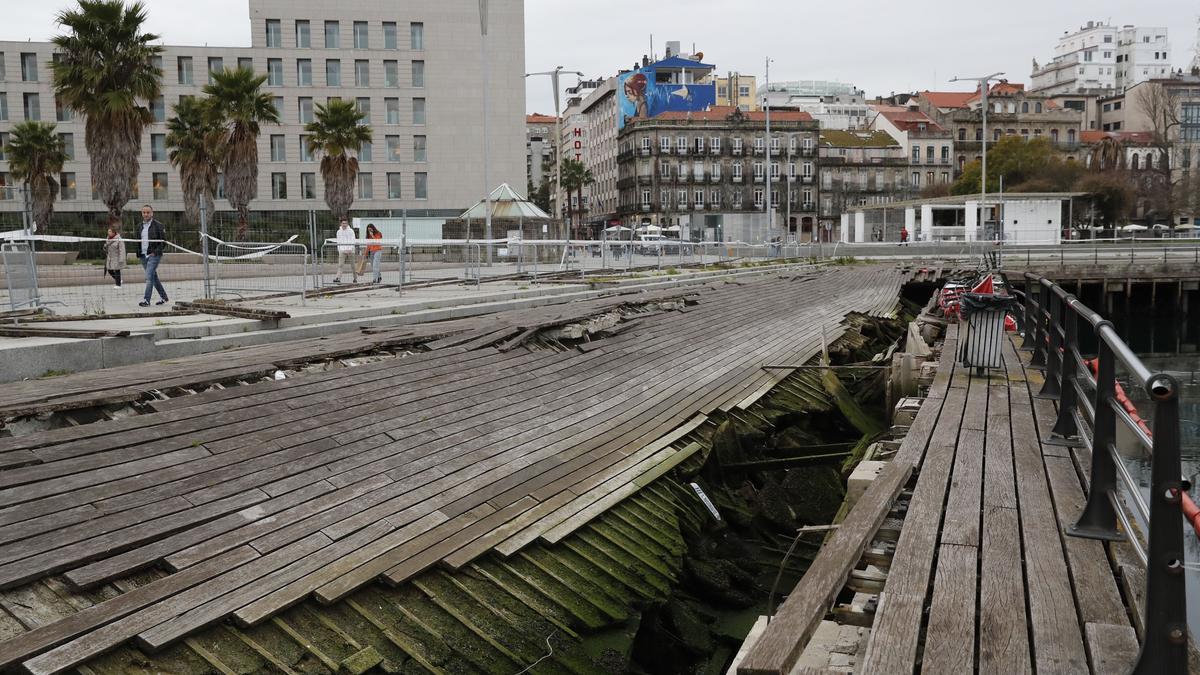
(878, 46)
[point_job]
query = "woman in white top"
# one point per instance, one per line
(345, 239)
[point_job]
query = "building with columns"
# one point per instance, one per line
(1016, 218)
(413, 68)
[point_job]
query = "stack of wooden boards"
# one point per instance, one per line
(258, 497)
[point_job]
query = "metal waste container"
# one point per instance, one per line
(981, 333)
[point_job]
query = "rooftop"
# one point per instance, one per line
(721, 113)
(906, 119)
(1132, 137)
(836, 138)
(538, 118)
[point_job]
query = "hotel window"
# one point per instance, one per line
(279, 186)
(304, 72)
(277, 101)
(360, 35)
(216, 64)
(67, 187)
(4, 77)
(758, 170)
(393, 148)
(421, 185)
(63, 113)
(808, 169)
(303, 35)
(274, 73)
(4, 182)
(362, 73)
(419, 150)
(183, 67)
(365, 187)
(33, 107)
(391, 109)
(418, 74)
(158, 182)
(274, 33)
(68, 143)
(774, 170)
(333, 72)
(29, 68)
(306, 154)
(389, 35)
(737, 170)
(304, 106)
(366, 152)
(363, 105)
(158, 147)
(393, 183)
(3, 142)
(416, 31)
(391, 74)
(332, 40)
(418, 105)
(308, 186)
(245, 63)
(278, 150)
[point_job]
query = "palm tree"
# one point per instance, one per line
(1108, 155)
(338, 127)
(105, 69)
(575, 177)
(36, 155)
(192, 139)
(238, 105)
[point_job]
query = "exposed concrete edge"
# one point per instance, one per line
(85, 355)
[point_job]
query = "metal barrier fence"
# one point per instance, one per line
(246, 269)
(20, 275)
(1089, 409)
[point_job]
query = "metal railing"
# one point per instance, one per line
(1090, 406)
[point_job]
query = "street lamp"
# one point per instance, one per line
(553, 74)
(984, 83)
(767, 110)
(487, 190)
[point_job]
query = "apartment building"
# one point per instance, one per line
(589, 135)
(539, 149)
(1103, 58)
(860, 168)
(928, 147)
(737, 91)
(710, 173)
(415, 70)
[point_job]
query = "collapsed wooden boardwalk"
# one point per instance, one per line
(259, 497)
(983, 578)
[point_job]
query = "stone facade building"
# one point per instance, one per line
(860, 168)
(539, 149)
(928, 147)
(413, 68)
(709, 173)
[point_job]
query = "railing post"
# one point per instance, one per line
(1164, 647)
(1065, 432)
(1098, 520)
(1038, 360)
(1028, 330)
(1052, 387)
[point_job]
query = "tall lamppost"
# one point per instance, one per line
(553, 74)
(767, 110)
(984, 84)
(487, 189)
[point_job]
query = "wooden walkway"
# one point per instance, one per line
(258, 497)
(983, 578)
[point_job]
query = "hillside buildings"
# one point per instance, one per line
(1103, 58)
(860, 168)
(402, 65)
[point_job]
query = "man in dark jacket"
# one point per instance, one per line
(150, 253)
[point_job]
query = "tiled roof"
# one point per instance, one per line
(948, 99)
(538, 118)
(908, 120)
(1133, 137)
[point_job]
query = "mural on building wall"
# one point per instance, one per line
(641, 95)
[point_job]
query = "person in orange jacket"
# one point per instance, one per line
(375, 251)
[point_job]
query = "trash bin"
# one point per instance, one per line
(982, 329)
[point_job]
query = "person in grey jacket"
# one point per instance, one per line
(114, 251)
(153, 245)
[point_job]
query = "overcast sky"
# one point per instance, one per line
(879, 46)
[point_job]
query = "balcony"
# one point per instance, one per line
(644, 152)
(775, 150)
(759, 151)
(664, 149)
(715, 151)
(737, 179)
(759, 178)
(681, 151)
(808, 206)
(806, 179)
(736, 151)
(645, 179)
(714, 177)
(807, 152)
(645, 207)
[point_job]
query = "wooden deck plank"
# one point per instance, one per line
(950, 636)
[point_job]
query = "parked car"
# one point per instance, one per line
(651, 244)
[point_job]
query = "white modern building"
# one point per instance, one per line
(415, 68)
(1018, 218)
(1101, 57)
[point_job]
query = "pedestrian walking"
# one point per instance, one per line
(375, 251)
(345, 250)
(904, 236)
(114, 251)
(150, 254)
